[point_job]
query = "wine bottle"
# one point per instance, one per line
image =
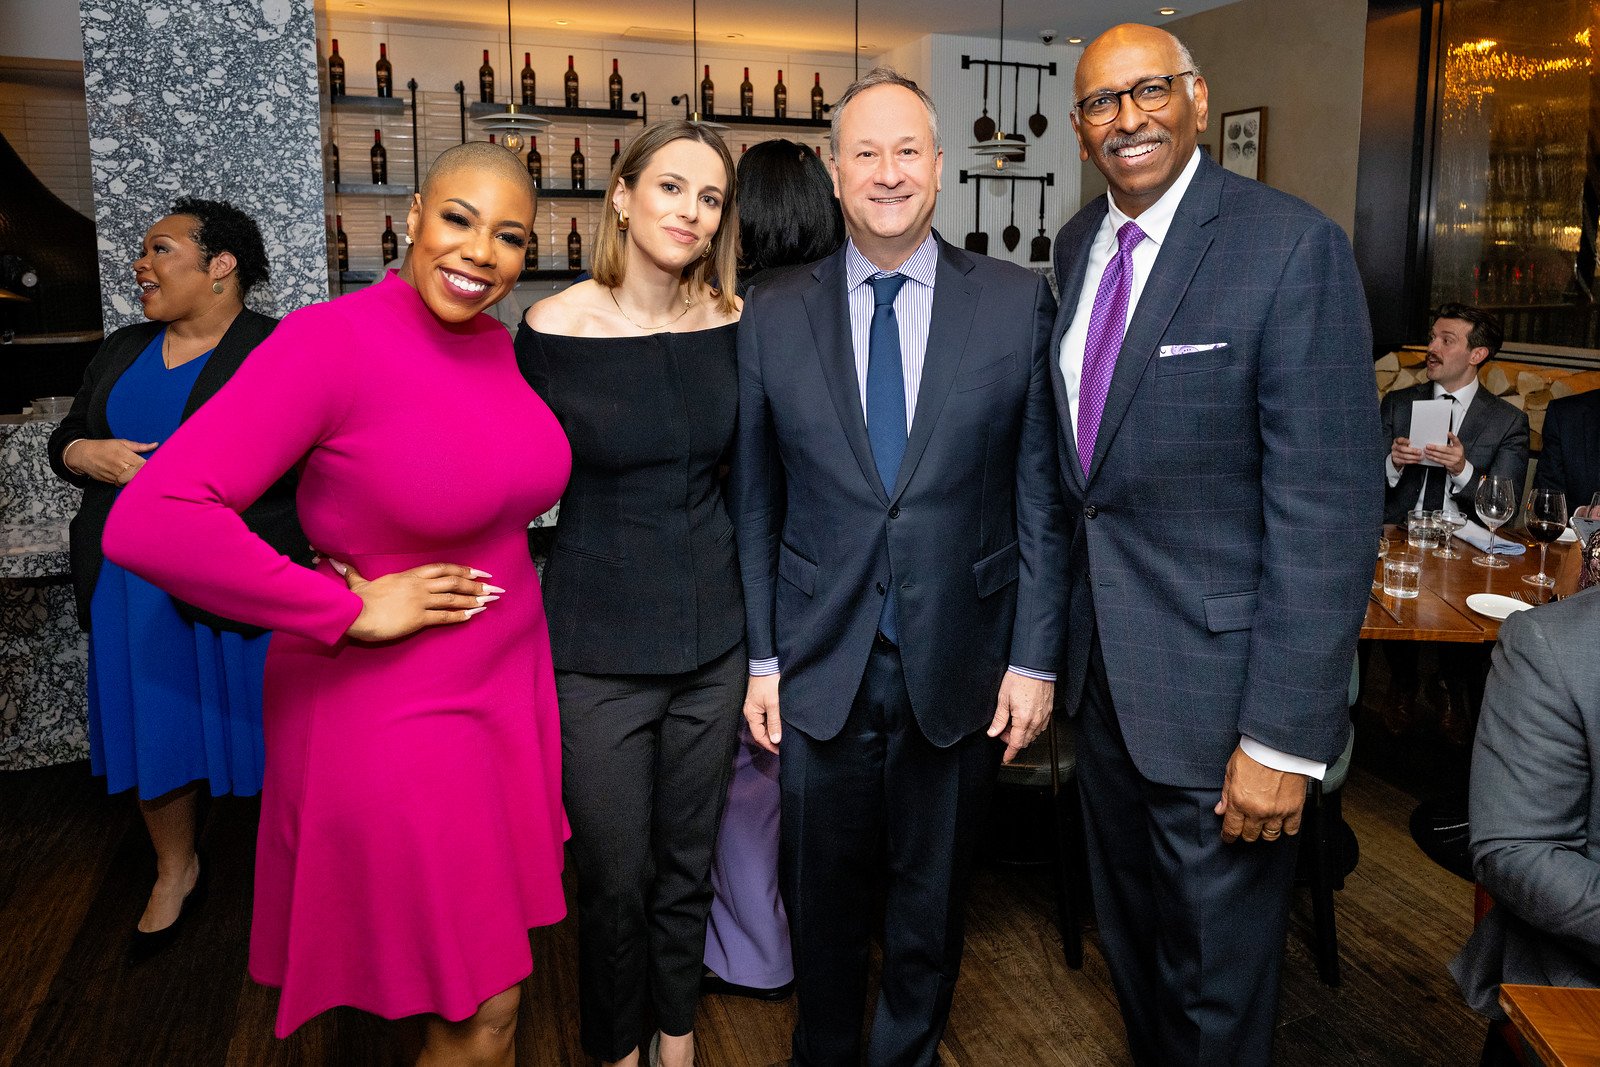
(614, 86)
(747, 96)
(708, 95)
(385, 71)
(616, 153)
(389, 242)
(574, 248)
(340, 243)
(528, 80)
(571, 84)
(530, 255)
(816, 97)
(380, 160)
(333, 161)
(578, 166)
(335, 71)
(535, 163)
(486, 80)
(780, 99)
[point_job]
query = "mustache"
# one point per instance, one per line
(1118, 141)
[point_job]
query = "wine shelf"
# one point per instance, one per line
(479, 108)
(371, 105)
(360, 189)
(571, 194)
(769, 120)
(561, 275)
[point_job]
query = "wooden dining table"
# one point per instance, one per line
(1440, 612)
(1562, 1025)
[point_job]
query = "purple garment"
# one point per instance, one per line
(1108, 322)
(747, 938)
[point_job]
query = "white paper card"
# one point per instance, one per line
(1430, 425)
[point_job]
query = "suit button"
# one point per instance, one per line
(1091, 511)
(881, 589)
(894, 511)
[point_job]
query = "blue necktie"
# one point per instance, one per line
(886, 405)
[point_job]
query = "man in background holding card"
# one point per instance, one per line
(1447, 432)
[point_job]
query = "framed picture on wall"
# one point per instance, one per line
(1244, 139)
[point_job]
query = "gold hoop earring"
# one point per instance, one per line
(707, 252)
(216, 287)
(622, 222)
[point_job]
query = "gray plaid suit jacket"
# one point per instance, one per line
(1223, 541)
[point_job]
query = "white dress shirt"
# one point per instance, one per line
(1460, 401)
(1155, 221)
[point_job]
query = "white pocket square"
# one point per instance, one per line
(1184, 350)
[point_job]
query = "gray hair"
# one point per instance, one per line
(872, 79)
(1185, 59)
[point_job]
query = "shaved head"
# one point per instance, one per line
(479, 156)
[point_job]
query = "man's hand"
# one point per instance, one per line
(1401, 453)
(1022, 712)
(1452, 456)
(1259, 802)
(761, 711)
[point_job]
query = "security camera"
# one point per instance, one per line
(1047, 36)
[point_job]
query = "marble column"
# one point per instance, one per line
(218, 100)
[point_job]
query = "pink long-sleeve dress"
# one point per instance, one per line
(411, 823)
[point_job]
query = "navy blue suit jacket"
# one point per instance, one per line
(1571, 457)
(1224, 538)
(970, 531)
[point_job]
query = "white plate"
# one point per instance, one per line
(1496, 606)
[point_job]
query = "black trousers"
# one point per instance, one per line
(878, 798)
(1192, 929)
(645, 766)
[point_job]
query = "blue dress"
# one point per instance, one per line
(170, 701)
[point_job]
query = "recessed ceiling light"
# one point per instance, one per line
(358, 3)
(866, 47)
(1166, 11)
(562, 22)
(732, 36)
(1074, 40)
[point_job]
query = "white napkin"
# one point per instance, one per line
(1478, 538)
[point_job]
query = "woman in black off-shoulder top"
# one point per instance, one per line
(642, 586)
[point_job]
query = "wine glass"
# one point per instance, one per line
(1495, 501)
(1448, 522)
(1547, 520)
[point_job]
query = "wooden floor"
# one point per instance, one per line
(75, 866)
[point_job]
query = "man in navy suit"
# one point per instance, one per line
(1570, 460)
(897, 508)
(1219, 432)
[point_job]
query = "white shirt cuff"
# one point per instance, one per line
(1391, 471)
(1459, 482)
(1028, 672)
(1268, 756)
(762, 668)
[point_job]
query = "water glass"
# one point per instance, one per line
(1421, 531)
(1448, 522)
(1402, 573)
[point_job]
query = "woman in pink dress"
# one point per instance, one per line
(411, 824)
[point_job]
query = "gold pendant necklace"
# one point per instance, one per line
(687, 304)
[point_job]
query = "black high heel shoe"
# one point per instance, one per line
(142, 946)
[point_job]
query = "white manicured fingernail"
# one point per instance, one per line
(487, 599)
(476, 573)
(473, 611)
(340, 567)
(487, 588)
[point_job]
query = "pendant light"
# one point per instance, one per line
(689, 99)
(512, 126)
(1003, 149)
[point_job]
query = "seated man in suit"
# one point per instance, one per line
(1487, 435)
(1571, 457)
(1535, 807)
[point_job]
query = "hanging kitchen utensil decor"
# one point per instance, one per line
(1040, 251)
(1036, 121)
(1011, 236)
(977, 241)
(983, 129)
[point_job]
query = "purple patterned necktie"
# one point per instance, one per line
(1107, 323)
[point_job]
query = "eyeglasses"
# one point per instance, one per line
(1151, 94)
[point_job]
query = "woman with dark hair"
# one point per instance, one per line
(646, 615)
(788, 216)
(174, 692)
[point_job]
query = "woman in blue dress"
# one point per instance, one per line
(174, 692)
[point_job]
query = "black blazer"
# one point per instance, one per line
(642, 577)
(1493, 433)
(272, 517)
(1571, 457)
(970, 531)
